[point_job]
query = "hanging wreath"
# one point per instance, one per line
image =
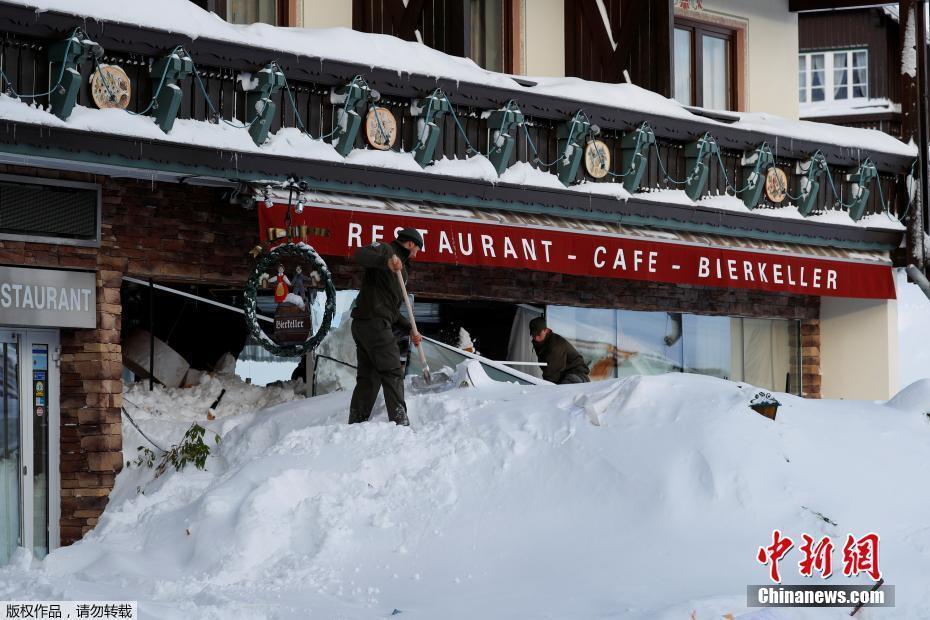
(309, 256)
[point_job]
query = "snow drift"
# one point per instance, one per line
(501, 501)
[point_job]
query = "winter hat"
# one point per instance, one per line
(410, 234)
(537, 325)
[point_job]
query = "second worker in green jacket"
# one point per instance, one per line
(564, 363)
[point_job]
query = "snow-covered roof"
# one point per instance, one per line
(373, 50)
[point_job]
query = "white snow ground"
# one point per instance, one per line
(501, 501)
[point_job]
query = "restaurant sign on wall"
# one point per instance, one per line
(463, 241)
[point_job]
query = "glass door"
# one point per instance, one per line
(11, 457)
(40, 350)
(29, 442)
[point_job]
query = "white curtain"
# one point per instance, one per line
(716, 73)
(766, 352)
(520, 348)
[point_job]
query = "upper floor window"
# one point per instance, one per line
(492, 36)
(704, 65)
(251, 11)
(486, 33)
(833, 76)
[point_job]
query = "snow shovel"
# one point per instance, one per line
(429, 379)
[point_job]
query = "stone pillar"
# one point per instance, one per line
(91, 398)
(810, 358)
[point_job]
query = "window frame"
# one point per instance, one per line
(698, 31)
(828, 81)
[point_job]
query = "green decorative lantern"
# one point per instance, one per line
(859, 181)
(810, 173)
(570, 137)
(65, 58)
(503, 125)
(267, 82)
(634, 150)
(431, 109)
(349, 118)
(697, 158)
(165, 74)
(760, 160)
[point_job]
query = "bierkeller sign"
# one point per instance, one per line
(339, 232)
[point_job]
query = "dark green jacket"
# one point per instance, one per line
(560, 357)
(380, 296)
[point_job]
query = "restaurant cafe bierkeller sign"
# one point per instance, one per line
(334, 231)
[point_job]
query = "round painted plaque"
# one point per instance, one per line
(776, 184)
(597, 159)
(110, 87)
(380, 128)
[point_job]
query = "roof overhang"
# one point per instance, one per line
(127, 38)
(123, 156)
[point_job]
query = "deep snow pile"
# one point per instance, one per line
(504, 501)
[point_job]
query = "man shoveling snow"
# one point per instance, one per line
(375, 320)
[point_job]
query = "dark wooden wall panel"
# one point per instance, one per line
(642, 30)
(441, 23)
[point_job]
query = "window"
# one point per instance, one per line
(491, 36)
(618, 343)
(833, 76)
(704, 65)
(707, 345)
(251, 11)
(486, 33)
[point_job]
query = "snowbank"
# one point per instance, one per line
(503, 502)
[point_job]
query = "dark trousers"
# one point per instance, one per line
(378, 368)
(574, 378)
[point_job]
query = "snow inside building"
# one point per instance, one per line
(658, 237)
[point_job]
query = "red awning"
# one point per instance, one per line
(337, 225)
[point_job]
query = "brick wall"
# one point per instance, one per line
(179, 233)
